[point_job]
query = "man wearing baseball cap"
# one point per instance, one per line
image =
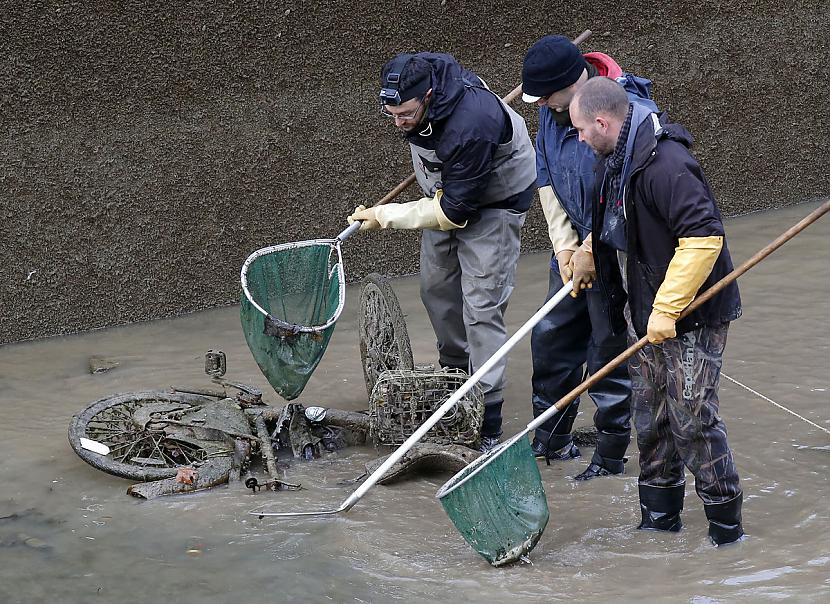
(580, 330)
(475, 165)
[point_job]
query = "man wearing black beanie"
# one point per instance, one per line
(580, 330)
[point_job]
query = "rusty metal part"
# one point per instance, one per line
(224, 416)
(110, 422)
(215, 363)
(199, 391)
(294, 431)
(249, 399)
(356, 421)
(271, 485)
(384, 341)
(241, 458)
(152, 414)
(242, 387)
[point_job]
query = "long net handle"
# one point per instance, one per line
(700, 300)
(511, 96)
(436, 416)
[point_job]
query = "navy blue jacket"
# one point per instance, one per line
(666, 197)
(567, 164)
(464, 125)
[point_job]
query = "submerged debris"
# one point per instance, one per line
(426, 457)
(101, 364)
(211, 473)
(14, 527)
(33, 542)
(203, 438)
(403, 399)
(271, 485)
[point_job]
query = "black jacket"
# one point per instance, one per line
(464, 125)
(666, 197)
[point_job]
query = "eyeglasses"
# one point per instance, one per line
(402, 116)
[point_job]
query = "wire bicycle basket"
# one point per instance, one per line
(403, 399)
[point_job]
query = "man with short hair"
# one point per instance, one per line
(655, 221)
(475, 164)
(578, 331)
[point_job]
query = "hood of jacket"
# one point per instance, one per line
(646, 141)
(608, 67)
(448, 82)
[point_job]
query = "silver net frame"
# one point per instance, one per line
(403, 399)
(334, 247)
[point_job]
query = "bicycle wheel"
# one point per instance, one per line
(140, 449)
(384, 341)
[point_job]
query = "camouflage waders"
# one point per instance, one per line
(675, 412)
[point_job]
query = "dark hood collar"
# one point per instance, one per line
(647, 141)
(449, 80)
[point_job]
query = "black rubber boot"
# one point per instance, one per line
(660, 507)
(557, 430)
(725, 520)
(488, 443)
(554, 446)
(609, 457)
(491, 427)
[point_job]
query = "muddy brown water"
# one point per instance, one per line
(69, 533)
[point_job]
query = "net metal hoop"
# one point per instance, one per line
(478, 465)
(341, 302)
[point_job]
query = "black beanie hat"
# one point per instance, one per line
(551, 64)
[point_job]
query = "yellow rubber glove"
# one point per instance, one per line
(660, 327)
(562, 234)
(426, 213)
(565, 270)
(582, 265)
(366, 216)
(691, 264)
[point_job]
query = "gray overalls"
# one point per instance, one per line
(467, 275)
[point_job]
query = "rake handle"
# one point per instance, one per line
(509, 98)
(697, 303)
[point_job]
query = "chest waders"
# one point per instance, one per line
(512, 167)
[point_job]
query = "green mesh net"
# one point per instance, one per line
(292, 294)
(498, 503)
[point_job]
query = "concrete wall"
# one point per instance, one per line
(147, 148)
